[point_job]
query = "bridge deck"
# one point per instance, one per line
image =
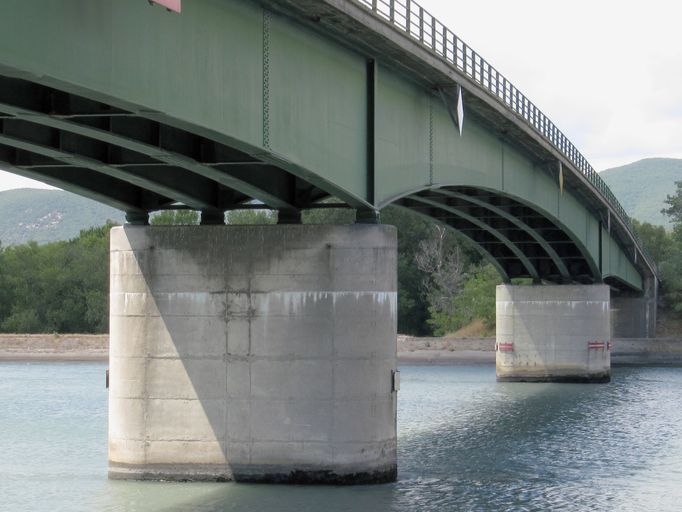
(289, 102)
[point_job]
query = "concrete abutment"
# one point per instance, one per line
(553, 333)
(253, 353)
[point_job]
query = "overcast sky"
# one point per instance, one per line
(607, 72)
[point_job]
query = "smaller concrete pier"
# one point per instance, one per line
(553, 333)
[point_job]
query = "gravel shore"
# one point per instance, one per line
(54, 347)
(411, 350)
(416, 350)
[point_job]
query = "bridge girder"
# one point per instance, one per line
(505, 229)
(243, 105)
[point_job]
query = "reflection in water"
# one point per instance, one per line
(465, 443)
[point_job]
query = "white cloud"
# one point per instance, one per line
(608, 73)
(9, 181)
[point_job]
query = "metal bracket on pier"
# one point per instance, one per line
(504, 347)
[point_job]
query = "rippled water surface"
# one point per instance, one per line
(465, 443)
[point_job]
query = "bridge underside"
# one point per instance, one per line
(518, 240)
(230, 105)
(139, 165)
(132, 162)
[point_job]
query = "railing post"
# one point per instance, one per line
(433, 33)
(391, 11)
(421, 24)
(445, 42)
(466, 57)
(408, 16)
(374, 6)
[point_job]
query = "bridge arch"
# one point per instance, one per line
(289, 102)
(522, 240)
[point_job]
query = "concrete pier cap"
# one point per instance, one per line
(553, 333)
(253, 353)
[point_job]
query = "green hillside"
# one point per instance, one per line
(48, 215)
(641, 187)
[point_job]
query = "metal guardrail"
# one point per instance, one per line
(411, 18)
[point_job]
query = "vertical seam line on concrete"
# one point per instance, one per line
(266, 79)
(248, 355)
(430, 140)
(334, 357)
(226, 432)
(146, 381)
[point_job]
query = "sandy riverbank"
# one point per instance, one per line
(89, 347)
(411, 350)
(414, 350)
(54, 347)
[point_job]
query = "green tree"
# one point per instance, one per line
(668, 252)
(670, 271)
(328, 215)
(656, 240)
(412, 305)
(476, 300)
(251, 217)
(57, 287)
(175, 218)
(674, 209)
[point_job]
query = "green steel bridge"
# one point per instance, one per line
(285, 103)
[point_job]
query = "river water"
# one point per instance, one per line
(465, 443)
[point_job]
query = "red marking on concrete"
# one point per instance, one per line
(505, 347)
(596, 345)
(171, 5)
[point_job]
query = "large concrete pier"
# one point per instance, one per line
(254, 353)
(553, 333)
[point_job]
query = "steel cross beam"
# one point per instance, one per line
(477, 246)
(167, 189)
(151, 151)
(556, 259)
(485, 227)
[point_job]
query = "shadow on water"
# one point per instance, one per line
(469, 443)
(533, 446)
(465, 443)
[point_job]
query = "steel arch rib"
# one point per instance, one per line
(473, 220)
(484, 253)
(561, 266)
(71, 159)
(151, 151)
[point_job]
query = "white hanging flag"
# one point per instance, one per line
(460, 109)
(561, 178)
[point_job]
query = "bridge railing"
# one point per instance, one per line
(409, 17)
